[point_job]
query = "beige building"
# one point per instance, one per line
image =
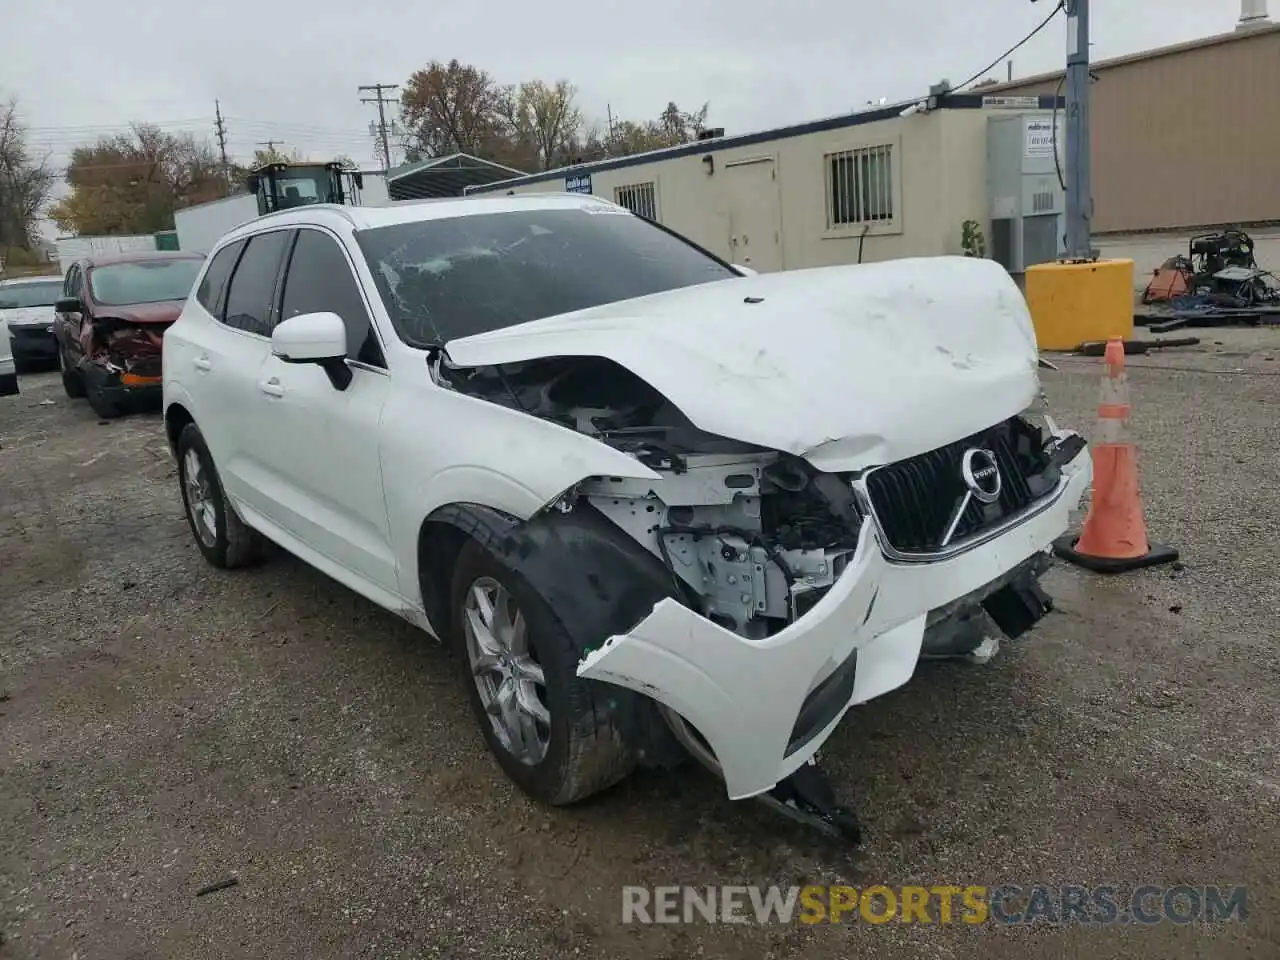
(869, 186)
(1185, 139)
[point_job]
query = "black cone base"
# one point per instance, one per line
(1065, 547)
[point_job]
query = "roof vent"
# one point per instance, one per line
(1253, 13)
(713, 133)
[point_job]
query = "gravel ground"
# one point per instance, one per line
(164, 726)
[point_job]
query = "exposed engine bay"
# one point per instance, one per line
(123, 347)
(753, 537)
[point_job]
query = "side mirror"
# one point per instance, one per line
(251, 183)
(745, 271)
(319, 338)
(69, 305)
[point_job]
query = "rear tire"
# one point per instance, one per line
(221, 535)
(583, 746)
(72, 379)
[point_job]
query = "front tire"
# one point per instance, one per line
(221, 535)
(554, 734)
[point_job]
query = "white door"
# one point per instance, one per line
(215, 356)
(319, 443)
(222, 363)
(755, 213)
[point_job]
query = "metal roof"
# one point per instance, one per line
(1247, 33)
(947, 101)
(445, 176)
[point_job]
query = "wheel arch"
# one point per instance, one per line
(176, 418)
(596, 578)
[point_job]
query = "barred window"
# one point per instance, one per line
(859, 186)
(640, 198)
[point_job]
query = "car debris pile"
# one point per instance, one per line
(1218, 280)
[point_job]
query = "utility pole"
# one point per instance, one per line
(1079, 185)
(381, 101)
(221, 128)
(269, 144)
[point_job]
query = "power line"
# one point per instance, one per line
(381, 101)
(996, 62)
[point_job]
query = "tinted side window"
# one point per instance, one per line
(320, 280)
(251, 296)
(214, 283)
(71, 286)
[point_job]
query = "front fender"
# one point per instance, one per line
(447, 448)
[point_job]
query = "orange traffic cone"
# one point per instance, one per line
(1114, 536)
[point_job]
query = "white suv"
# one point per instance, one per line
(650, 497)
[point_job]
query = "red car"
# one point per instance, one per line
(110, 321)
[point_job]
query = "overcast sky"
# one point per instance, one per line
(289, 71)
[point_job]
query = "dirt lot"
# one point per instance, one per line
(164, 726)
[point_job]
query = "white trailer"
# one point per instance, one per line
(73, 248)
(202, 226)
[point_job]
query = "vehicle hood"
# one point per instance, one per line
(166, 311)
(27, 316)
(846, 366)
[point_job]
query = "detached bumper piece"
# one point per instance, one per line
(807, 797)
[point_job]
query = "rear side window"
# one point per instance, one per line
(251, 296)
(213, 286)
(320, 280)
(71, 286)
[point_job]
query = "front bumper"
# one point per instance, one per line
(765, 706)
(31, 344)
(124, 387)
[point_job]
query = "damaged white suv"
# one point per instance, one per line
(652, 499)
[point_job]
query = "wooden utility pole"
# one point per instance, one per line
(221, 129)
(381, 101)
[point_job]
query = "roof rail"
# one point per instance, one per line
(339, 208)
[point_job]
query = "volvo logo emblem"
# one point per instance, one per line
(981, 474)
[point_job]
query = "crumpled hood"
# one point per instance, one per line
(847, 366)
(166, 311)
(27, 316)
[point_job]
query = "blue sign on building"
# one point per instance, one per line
(578, 184)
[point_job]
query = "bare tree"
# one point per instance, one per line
(545, 117)
(26, 182)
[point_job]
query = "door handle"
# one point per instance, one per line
(202, 364)
(271, 387)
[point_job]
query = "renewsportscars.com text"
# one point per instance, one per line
(941, 904)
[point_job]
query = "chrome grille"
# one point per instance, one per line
(914, 499)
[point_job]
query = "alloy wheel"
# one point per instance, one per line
(200, 499)
(511, 682)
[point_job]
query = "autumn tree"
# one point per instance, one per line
(25, 183)
(673, 126)
(458, 108)
(453, 107)
(132, 183)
